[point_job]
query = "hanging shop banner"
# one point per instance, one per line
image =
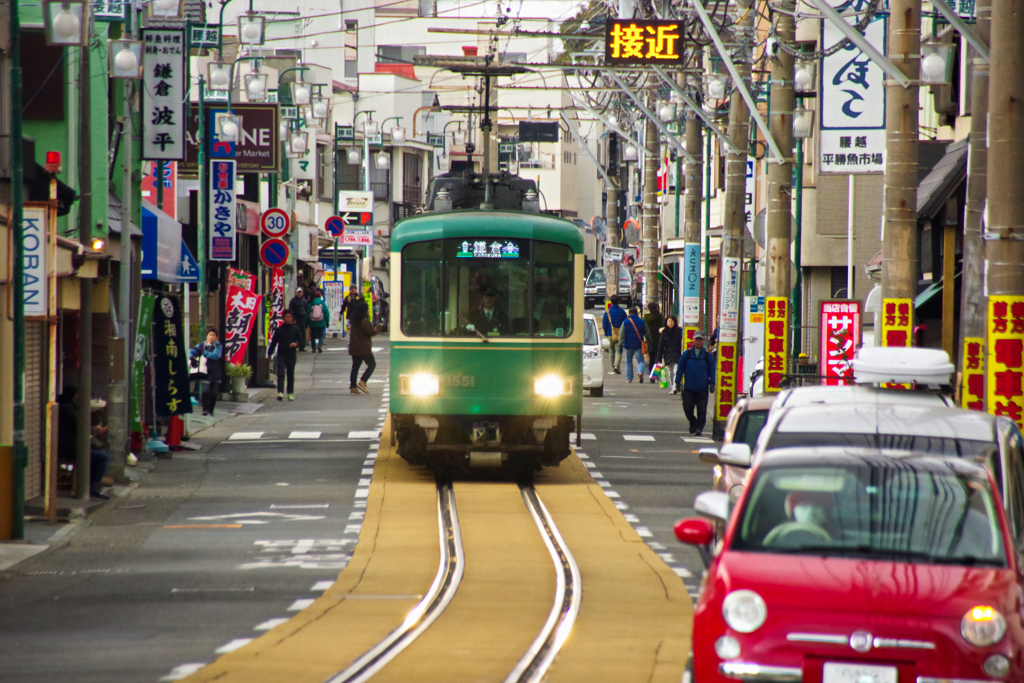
(163, 99)
(749, 194)
(243, 307)
(1006, 357)
(728, 321)
(726, 379)
(688, 333)
(775, 337)
(897, 322)
(691, 283)
(643, 42)
(972, 395)
(840, 336)
(852, 100)
(965, 8)
(257, 150)
(150, 185)
(170, 359)
(275, 307)
(144, 328)
(223, 240)
(34, 261)
(241, 279)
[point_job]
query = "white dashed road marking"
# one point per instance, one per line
(300, 605)
(363, 435)
(683, 572)
(637, 437)
(245, 436)
(586, 436)
(324, 585)
(269, 624)
(181, 671)
(233, 645)
(304, 435)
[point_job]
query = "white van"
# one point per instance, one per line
(593, 359)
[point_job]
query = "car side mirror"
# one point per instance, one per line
(709, 456)
(736, 454)
(605, 344)
(695, 531)
(713, 505)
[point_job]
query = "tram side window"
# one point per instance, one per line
(552, 289)
(422, 266)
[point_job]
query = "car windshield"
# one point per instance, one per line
(749, 427)
(881, 508)
(590, 333)
(934, 445)
(596, 276)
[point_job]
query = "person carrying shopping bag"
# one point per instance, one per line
(670, 347)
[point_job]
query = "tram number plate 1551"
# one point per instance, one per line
(459, 381)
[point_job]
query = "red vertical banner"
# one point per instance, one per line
(1006, 357)
(776, 332)
(243, 307)
(897, 322)
(840, 337)
(972, 395)
(275, 311)
(726, 379)
(150, 183)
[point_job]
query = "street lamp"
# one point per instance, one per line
(300, 91)
(67, 22)
(803, 77)
(803, 122)
(256, 86)
(443, 162)
(666, 111)
(229, 127)
(629, 153)
(716, 86)
(219, 76)
(251, 28)
(370, 129)
(383, 160)
(354, 157)
(165, 8)
(935, 63)
(297, 145)
(125, 59)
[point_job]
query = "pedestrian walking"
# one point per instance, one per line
(697, 373)
(612, 321)
(670, 347)
(360, 346)
(319, 319)
(654, 323)
(286, 342)
(208, 358)
(634, 341)
(350, 300)
(299, 308)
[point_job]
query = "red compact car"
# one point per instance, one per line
(849, 565)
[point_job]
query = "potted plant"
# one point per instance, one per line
(239, 373)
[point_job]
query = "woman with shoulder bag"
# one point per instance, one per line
(670, 347)
(206, 361)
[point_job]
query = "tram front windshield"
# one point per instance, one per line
(492, 286)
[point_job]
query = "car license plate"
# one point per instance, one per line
(858, 673)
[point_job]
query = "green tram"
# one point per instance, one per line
(486, 332)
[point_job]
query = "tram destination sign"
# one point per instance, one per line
(487, 249)
(636, 41)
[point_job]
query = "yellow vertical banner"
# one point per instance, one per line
(897, 322)
(688, 333)
(726, 379)
(972, 395)
(1005, 372)
(776, 332)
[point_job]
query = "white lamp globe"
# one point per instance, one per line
(166, 5)
(802, 126)
(66, 25)
(126, 61)
(320, 110)
(301, 95)
(398, 136)
(383, 160)
(251, 32)
(256, 87)
(934, 67)
(229, 130)
(630, 153)
(613, 119)
(284, 130)
(370, 129)
(803, 78)
(353, 156)
(298, 144)
(716, 88)
(220, 78)
(665, 112)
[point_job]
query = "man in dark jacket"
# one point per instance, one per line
(612, 322)
(360, 347)
(654, 323)
(353, 298)
(299, 308)
(634, 332)
(697, 367)
(286, 340)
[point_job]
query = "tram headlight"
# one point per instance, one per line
(420, 384)
(551, 386)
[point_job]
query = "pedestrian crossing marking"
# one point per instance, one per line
(244, 436)
(637, 437)
(363, 435)
(587, 436)
(304, 435)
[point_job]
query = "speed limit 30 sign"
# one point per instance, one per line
(275, 223)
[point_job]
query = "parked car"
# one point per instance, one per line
(857, 564)
(746, 420)
(593, 358)
(381, 308)
(594, 288)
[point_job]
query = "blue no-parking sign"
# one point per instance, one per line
(274, 252)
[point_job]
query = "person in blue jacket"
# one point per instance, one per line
(612, 322)
(213, 351)
(633, 334)
(697, 368)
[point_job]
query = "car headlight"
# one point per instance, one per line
(744, 611)
(551, 386)
(419, 384)
(592, 353)
(983, 626)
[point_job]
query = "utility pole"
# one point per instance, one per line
(974, 304)
(899, 243)
(611, 215)
(691, 210)
(83, 445)
(651, 236)
(18, 276)
(780, 175)
(1004, 248)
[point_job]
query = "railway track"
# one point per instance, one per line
(535, 662)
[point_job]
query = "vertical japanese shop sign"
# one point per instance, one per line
(275, 311)
(1006, 357)
(852, 99)
(840, 337)
(33, 244)
(242, 309)
(972, 396)
(150, 185)
(691, 284)
(163, 101)
(688, 333)
(726, 380)
(170, 359)
(144, 328)
(776, 333)
(897, 322)
(728, 320)
(222, 210)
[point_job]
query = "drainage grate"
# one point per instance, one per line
(246, 408)
(189, 446)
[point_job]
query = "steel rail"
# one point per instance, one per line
(568, 593)
(419, 619)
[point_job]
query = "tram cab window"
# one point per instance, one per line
(498, 287)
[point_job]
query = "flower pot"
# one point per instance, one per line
(238, 388)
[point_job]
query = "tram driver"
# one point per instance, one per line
(488, 319)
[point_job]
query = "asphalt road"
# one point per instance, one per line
(215, 546)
